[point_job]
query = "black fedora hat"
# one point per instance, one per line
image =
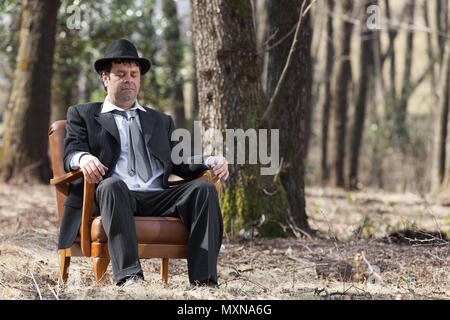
(122, 49)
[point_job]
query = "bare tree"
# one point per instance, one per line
(293, 111)
(366, 74)
(442, 143)
(342, 80)
(326, 92)
(430, 49)
(442, 18)
(439, 84)
(402, 104)
(174, 60)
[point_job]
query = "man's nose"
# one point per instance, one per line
(127, 77)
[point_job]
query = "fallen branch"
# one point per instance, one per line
(52, 291)
(318, 291)
(296, 230)
(36, 285)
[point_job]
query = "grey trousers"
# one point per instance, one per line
(195, 203)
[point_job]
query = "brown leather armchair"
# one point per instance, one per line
(158, 237)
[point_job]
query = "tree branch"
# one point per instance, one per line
(262, 52)
(422, 77)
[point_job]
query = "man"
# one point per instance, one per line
(125, 149)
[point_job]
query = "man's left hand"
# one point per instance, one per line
(219, 166)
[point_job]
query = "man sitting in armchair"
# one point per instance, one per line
(125, 149)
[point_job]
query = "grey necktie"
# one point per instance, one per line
(137, 153)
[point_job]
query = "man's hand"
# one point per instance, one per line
(219, 166)
(92, 168)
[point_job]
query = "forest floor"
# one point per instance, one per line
(352, 257)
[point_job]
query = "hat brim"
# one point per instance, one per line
(144, 63)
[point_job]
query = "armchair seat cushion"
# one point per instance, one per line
(149, 230)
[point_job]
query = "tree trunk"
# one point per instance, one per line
(174, 60)
(326, 93)
(193, 112)
(442, 14)
(430, 51)
(439, 87)
(90, 82)
(65, 75)
(366, 75)
(392, 98)
(262, 35)
(150, 92)
(442, 143)
(343, 78)
(231, 97)
(24, 151)
(402, 104)
(292, 103)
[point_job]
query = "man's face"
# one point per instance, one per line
(123, 84)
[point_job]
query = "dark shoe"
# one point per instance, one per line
(130, 280)
(206, 283)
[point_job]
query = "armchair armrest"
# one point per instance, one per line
(207, 175)
(88, 204)
(68, 177)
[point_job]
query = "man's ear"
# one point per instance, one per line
(105, 79)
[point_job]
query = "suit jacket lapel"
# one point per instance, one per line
(107, 121)
(148, 126)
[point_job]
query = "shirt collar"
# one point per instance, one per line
(108, 106)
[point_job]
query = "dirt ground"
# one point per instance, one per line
(352, 257)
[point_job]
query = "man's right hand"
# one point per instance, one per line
(92, 168)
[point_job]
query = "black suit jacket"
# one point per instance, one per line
(88, 130)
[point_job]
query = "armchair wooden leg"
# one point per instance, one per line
(64, 262)
(100, 266)
(164, 269)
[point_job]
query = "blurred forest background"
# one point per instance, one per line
(361, 97)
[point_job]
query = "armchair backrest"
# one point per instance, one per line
(56, 135)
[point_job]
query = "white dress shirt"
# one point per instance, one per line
(120, 171)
